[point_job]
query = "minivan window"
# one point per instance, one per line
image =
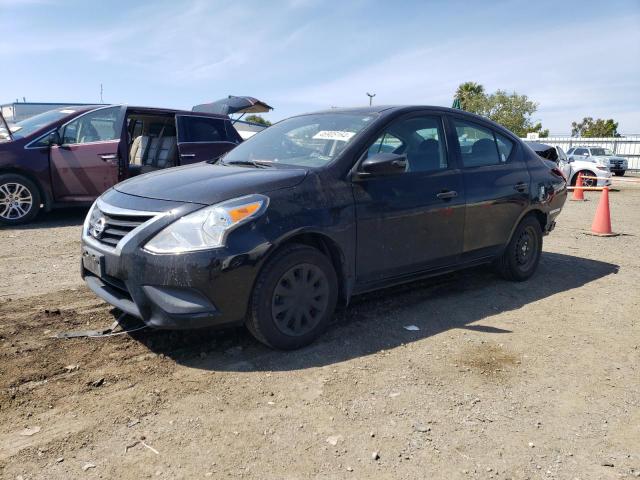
(308, 140)
(96, 126)
(477, 145)
(200, 129)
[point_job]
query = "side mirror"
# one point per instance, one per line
(383, 164)
(54, 138)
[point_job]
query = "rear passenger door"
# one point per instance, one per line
(203, 138)
(496, 182)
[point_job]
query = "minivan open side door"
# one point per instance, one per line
(202, 138)
(85, 162)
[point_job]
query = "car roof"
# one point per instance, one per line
(394, 109)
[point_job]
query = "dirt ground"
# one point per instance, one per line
(502, 380)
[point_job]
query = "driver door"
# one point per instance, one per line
(414, 220)
(85, 163)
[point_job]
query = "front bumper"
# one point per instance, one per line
(189, 290)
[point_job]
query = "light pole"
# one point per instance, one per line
(370, 95)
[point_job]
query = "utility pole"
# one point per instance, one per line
(101, 101)
(371, 95)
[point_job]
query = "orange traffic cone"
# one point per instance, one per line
(601, 225)
(578, 193)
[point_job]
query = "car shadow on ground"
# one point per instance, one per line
(63, 217)
(376, 321)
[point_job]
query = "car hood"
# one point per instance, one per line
(206, 183)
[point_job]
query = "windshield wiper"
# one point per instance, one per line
(251, 163)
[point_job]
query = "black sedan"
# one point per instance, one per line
(315, 209)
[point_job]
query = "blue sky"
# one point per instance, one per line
(575, 59)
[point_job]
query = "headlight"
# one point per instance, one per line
(90, 218)
(208, 227)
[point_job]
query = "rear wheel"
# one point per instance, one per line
(620, 173)
(19, 199)
(294, 298)
(522, 255)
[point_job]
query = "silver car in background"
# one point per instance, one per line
(600, 156)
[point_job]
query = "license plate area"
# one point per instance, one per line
(93, 261)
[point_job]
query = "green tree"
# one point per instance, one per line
(258, 119)
(599, 127)
(471, 96)
(511, 110)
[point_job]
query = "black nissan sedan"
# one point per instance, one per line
(315, 209)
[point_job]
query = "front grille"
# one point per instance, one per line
(115, 226)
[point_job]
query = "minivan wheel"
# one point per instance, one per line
(522, 255)
(293, 299)
(19, 199)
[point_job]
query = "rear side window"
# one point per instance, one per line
(505, 146)
(481, 146)
(201, 129)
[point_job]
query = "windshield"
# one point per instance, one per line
(308, 140)
(601, 151)
(28, 126)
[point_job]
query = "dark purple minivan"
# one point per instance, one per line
(69, 156)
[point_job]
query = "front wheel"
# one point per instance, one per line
(522, 255)
(19, 199)
(293, 299)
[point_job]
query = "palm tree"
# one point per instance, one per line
(467, 92)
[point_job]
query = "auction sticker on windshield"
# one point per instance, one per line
(333, 135)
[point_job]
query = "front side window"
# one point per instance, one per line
(308, 140)
(387, 143)
(201, 129)
(420, 138)
(478, 145)
(97, 126)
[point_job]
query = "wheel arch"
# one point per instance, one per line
(574, 177)
(537, 213)
(45, 198)
(329, 247)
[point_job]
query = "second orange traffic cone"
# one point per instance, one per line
(601, 225)
(578, 193)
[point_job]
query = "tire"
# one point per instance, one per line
(284, 321)
(520, 260)
(587, 182)
(19, 199)
(620, 173)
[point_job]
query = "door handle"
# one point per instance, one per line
(187, 155)
(520, 187)
(447, 194)
(109, 156)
